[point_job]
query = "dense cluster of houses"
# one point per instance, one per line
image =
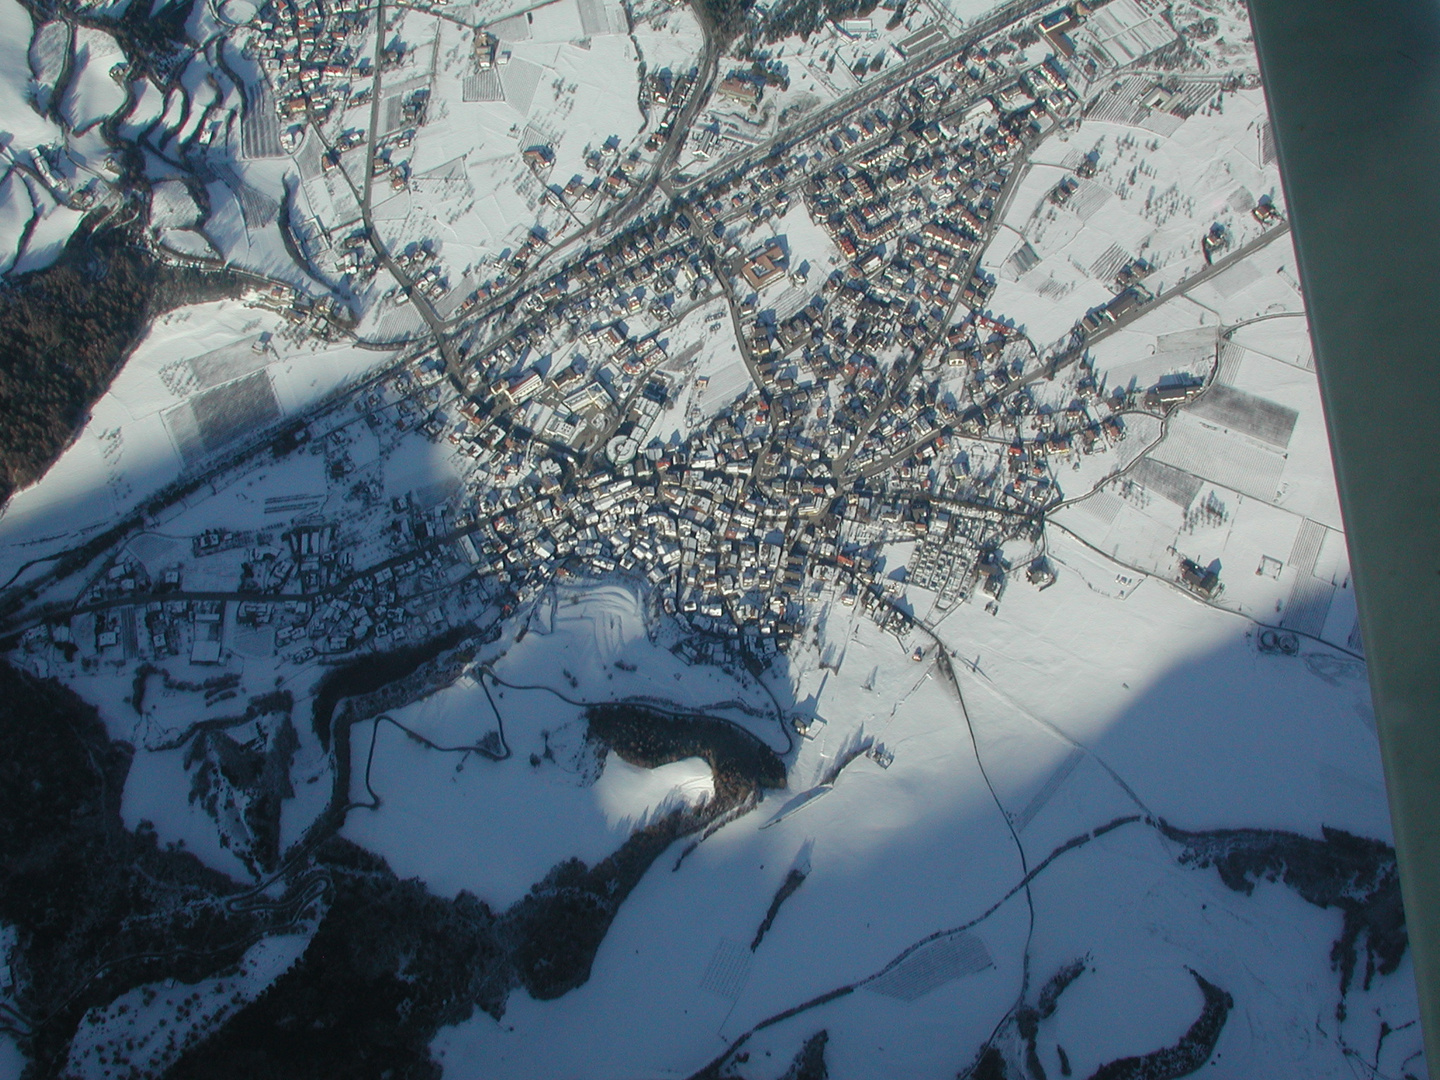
(311, 50)
(889, 406)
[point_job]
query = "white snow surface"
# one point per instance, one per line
(93, 94)
(497, 828)
(126, 450)
(21, 122)
(1168, 711)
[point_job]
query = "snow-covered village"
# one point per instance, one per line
(647, 539)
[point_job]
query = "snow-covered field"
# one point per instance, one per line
(139, 435)
(1168, 711)
(1161, 183)
(497, 828)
